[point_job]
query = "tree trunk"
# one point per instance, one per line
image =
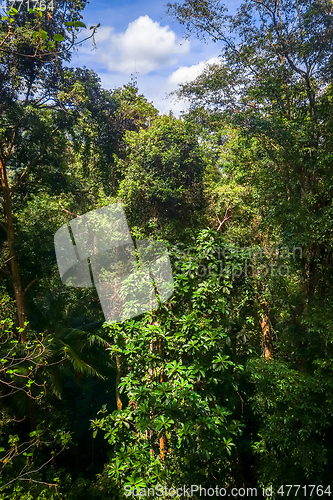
(267, 337)
(162, 447)
(162, 438)
(118, 375)
(13, 261)
(150, 372)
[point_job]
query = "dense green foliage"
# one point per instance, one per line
(228, 382)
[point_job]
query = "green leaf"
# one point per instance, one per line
(79, 24)
(58, 38)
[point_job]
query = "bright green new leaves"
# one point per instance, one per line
(181, 382)
(25, 30)
(76, 24)
(58, 38)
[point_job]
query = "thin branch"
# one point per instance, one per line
(30, 284)
(67, 211)
(265, 7)
(4, 270)
(48, 54)
(38, 482)
(20, 477)
(11, 144)
(3, 41)
(225, 218)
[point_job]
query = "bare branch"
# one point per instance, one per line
(225, 218)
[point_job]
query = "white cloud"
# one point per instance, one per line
(103, 33)
(145, 46)
(150, 49)
(189, 73)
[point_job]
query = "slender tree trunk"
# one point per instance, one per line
(150, 371)
(118, 375)
(13, 261)
(267, 337)
(162, 447)
(287, 103)
(265, 324)
(309, 275)
(162, 438)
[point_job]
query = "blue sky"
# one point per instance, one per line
(138, 37)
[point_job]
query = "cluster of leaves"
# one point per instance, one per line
(181, 386)
(272, 88)
(229, 381)
(163, 176)
(22, 390)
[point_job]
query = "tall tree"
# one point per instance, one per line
(274, 83)
(33, 47)
(163, 176)
(274, 87)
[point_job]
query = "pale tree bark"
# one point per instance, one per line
(267, 337)
(225, 218)
(266, 327)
